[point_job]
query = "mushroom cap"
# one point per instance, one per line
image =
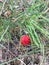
(24, 39)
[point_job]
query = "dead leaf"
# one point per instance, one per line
(7, 13)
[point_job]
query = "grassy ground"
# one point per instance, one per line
(21, 17)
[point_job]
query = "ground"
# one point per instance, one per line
(15, 21)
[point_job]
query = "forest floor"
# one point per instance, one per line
(13, 53)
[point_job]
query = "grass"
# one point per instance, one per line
(28, 20)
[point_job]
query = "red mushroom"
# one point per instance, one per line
(25, 40)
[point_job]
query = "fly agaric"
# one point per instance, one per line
(25, 40)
